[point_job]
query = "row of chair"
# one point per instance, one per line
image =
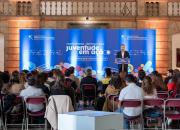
(166, 107)
(24, 113)
(89, 92)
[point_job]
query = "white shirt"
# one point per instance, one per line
(132, 91)
(122, 54)
(31, 91)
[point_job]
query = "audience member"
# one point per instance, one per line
(59, 85)
(132, 91)
(141, 75)
(22, 78)
(6, 81)
(172, 85)
(158, 81)
(148, 88)
(73, 77)
(150, 93)
(59, 88)
(33, 91)
(107, 78)
(113, 88)
(16, 86)
(68, 81)
(40, 83)
(88, 79)
(169, 76)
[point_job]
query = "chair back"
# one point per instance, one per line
(131, 103)
(116, 99)
(36, 100)
(89, 91)
(172, 103)
(153, 102)
(162, 95)
(170, 108)
(115, 102)
(10, 102)
(111, 97)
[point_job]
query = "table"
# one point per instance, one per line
(90, 120)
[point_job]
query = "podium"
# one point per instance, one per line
(90, 120)
(122, 61)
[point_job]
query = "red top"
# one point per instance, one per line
(172, 87)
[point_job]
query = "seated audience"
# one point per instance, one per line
(16, 86)
(141, 75)
(6, 80)
(59, 85)
(150, 93)
(45, 79)
(73, 77)
(172, 85)
(113, 88)
(40, 83)
(158, 81)
(50, 78)
(148, 88)
(108, 74)
(88, 79)
(131, 91)
(59, 88)
(68, 81)
(32, 91)
(169, 76)
(105, 81)
(22, 78)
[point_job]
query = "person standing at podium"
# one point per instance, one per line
(123, 54)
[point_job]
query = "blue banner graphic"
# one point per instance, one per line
(46, 49)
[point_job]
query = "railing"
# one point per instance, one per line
(88, 7)
(152, 8)
(126, 8)
(18, 8)
(24, 8)
(174, 8)
(6, 8)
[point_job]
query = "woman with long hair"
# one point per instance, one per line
(148, 87)
(113, 88)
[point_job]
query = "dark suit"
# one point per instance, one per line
(88, 80)
(126, 55)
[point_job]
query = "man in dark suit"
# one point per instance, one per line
(123, 54)
(88, 79)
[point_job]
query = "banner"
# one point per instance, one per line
(46, 49)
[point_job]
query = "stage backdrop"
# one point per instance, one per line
(95, 48)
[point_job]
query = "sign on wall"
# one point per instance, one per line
(95, 48)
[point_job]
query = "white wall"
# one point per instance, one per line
(175, 45)
(1, 52)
